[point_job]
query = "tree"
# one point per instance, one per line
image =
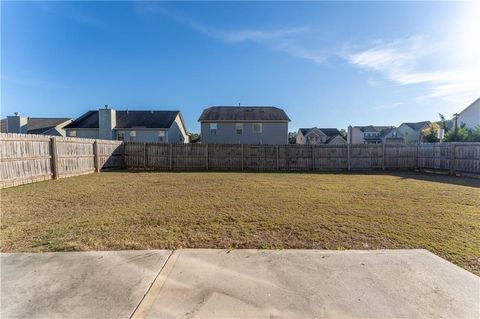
(292, 137)
(194, 137)
(461, 134)
(430, 134)
(444, 123)
(474, 135)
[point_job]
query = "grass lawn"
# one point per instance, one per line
(132, 210)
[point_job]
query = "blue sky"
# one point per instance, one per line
(328, 64)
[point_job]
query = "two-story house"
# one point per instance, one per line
(317, 135)
(470, 116)
(374, 135)
(141, 126)
(412, 132)
(244, 125)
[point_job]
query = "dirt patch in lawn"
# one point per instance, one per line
(132, 210)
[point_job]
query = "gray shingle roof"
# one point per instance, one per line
(327, 131)
(304, 130)
(38, 125)
(244, 113)
(129, 119)
(330, 131)
(417, 125)
(387, 131)
(372, 128)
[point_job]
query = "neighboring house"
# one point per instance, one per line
(141, 126)
(34, 125)
(374, 135)
(412, 132)
(470, 116)
(317, 135)
(244, 125)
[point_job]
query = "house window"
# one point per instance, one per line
(72, 133)
(161, 136)
(213, 128)
(120, 135)
(133, 135)
(239, 128)
(257, 128)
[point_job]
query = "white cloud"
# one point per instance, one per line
(403, 62)
(411, 60)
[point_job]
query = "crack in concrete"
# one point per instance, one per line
(135, 312)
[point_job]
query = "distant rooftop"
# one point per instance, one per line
(129, 119)
(244, 113)
(330, 132)
(38, 125)
(416, 126)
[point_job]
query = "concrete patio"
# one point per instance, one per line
(208, 283)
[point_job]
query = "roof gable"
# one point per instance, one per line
(320, 131)
(315, 131)
(330, 131)
(39, 123)
(417, 126)
(475, 103)
(389, 130)
(243, 113)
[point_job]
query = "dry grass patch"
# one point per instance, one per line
(130, 210)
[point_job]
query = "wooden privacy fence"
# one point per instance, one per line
(30, 158)
(27, 158)
(455, 158)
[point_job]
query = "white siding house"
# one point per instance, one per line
(470, 116)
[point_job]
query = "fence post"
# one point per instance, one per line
(383, 156)
(124, 163)
(349, 164)
(452, 158)
(417, 157)
(145, 155)
(206, 156)
(241, 150)
(278, 164)
(313, 157)
(54, 151)
(171, 156)
(398, 156)
(96, 162)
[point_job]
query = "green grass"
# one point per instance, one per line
(131, 210)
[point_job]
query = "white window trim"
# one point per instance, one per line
(133, 136)
(239, 127)
(213, 127)
(161, 136)
(259, 131)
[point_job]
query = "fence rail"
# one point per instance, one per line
(30, 158)
(27, 158)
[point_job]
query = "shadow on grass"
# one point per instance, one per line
(438, 178)
(441, 177)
